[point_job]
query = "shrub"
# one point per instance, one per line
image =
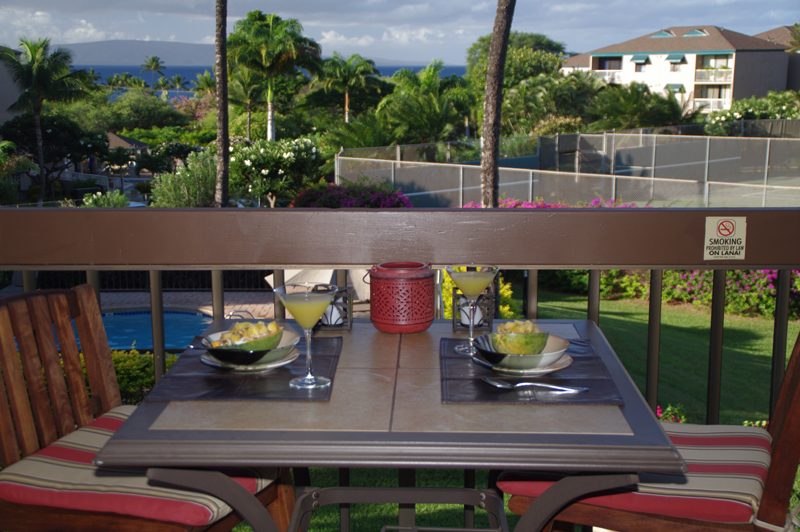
(676, 414)
(273, 169)
(193, 186)
(135, 374)
(113, 199)
(350, 195)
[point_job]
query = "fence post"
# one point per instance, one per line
(766, 173)
(448, 153)
(279, 311)
(399, 153)
(336, 170)
(653, 169)
(533, 295)
(577, 158)
(217, 295)
(593, 311)
(653, 338)
(393, 171)
(705, 175)
(715, 347)
(779, 335)
(461, 184)
(93, 278)
(530, 187)
(157, 317)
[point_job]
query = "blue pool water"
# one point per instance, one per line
(126, 329)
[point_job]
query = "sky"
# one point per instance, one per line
(413, 31)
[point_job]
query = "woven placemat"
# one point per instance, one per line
(462, 379)
(189, 379)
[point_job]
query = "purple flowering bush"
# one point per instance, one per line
(539, 203)
(352, 195)
(747, 292)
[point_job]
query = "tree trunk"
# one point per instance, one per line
(221, 73)
(346, 107)
(249, 112)
(270, 121)
(37, 125)
(493, 102)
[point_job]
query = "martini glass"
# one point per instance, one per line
(307, 302)
(472, 280)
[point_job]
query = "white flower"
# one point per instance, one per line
(233, 159)
(314, 156)
(261, 150)
(264, 172)
(280, 172)
(247, 163)
(88, 145)
(49, 130)
(314, 149)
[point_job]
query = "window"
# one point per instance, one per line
(640, 67)
(609, 63)
(714, 91)
(713, 61)
(674, 67)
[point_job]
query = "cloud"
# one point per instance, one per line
(481, 7)
(406, 35)
(333, 38)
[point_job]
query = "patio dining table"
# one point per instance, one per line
(402, 401)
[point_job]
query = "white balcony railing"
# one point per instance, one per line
(711, 104)
(609, 76)
(724, 75)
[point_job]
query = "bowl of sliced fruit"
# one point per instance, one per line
(521, 345)
(250, 343)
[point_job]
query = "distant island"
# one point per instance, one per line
(126, 53)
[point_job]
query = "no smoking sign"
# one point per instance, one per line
(725, 238)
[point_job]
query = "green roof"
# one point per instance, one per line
(696, 33)
(640, 58)
(675, 58)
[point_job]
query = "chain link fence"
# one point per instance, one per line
(662, 167)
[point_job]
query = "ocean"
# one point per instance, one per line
(190, 73)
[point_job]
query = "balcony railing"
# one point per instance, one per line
(609, 76)
(720, 75)
(253, 239)
(711, 104)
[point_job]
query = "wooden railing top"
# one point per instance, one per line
(129, 239)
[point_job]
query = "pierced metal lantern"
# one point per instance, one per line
(484, 310)
(401, 297)
(339, 314)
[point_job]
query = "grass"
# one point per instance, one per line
(683, 367)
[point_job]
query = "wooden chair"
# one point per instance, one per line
(740, 478)
(51, 426)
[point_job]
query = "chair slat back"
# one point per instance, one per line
(43, 392)
(785, 430)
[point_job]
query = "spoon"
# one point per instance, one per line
(510, 386)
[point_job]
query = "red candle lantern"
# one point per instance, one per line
(401, 298)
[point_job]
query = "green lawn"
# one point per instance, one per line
(683, 377)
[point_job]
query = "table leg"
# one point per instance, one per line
(222, 487)
(566, 490)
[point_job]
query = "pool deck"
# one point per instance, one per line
(259, 304)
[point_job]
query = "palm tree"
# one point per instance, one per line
(272, 47)
(631, 106)
(493, 102)
(42, 75)
(178, 83)
(221, 73)
(246, 89)
(154, 64)
(114, 82)
(345, 75)
(205, 83)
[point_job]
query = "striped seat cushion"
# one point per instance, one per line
(727, 469)
(62, 475)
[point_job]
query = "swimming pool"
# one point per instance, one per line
(135, 328)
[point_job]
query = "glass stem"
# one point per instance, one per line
(309, 370)
(472, 303)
